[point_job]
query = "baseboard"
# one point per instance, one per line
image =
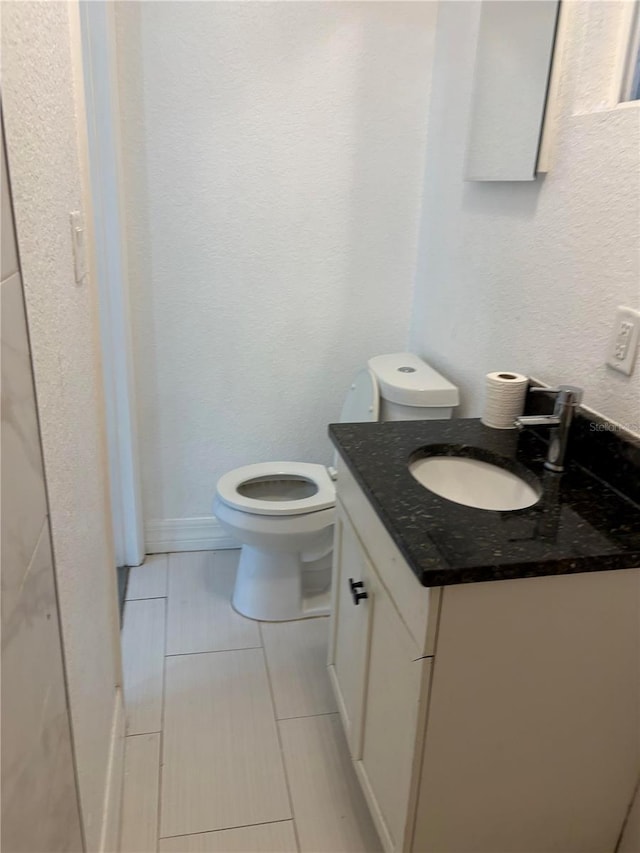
(110, 832)
(186, 534)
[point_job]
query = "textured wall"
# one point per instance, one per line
(528, 276)
(274, 155)
(41, 94)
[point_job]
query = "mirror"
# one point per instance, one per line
(513, 64)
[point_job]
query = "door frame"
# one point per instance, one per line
(103, 128)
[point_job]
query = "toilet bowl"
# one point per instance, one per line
(282, 513)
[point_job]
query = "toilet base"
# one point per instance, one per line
(273, 586)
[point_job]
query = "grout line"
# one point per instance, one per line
(145, 598)
(307, 716)
(127, 597)
(211, 651)
(275, 717)
(143, 734)
(162, 710)
(227, 828)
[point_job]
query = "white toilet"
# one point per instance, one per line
(282, 512)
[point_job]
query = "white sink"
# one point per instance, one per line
(473, 483)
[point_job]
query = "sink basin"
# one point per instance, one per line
(473, 482)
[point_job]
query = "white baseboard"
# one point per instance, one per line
(186, 534)
(110, 831)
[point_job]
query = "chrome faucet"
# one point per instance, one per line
(568, 398)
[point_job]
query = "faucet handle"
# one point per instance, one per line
(566, 395)
(572, 394)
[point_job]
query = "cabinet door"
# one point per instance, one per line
(349, 628)
(393, 713)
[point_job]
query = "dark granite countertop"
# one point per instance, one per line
(580, 524)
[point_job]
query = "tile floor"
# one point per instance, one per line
(233, 741)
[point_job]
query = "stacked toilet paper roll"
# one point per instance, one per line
(504, 399)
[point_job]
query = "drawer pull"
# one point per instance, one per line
(354, 586)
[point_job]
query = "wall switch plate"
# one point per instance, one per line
(623, 346)
(78, 241)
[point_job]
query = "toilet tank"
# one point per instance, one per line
(411, 390)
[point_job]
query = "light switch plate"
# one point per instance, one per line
(78, 242)
(623, 346)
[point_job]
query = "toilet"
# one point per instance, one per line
(282, 513)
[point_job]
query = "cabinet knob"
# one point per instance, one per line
(354, 586)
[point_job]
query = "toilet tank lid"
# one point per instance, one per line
(406, 379)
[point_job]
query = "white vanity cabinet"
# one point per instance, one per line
(497, 717)
(350, 630)
(379, 665)
(378, 676)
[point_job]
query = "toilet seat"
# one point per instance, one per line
(235, 488)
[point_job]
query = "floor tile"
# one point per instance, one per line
(329, 808)
(222, 762)
(297, 661)
(140, 794)
(264, 838)
(150, 579)
(143, 663)
(200, 616)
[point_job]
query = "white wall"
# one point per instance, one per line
(527, 276)
(274, 155)
(46, 138)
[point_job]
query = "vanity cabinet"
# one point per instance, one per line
(379, 665)
(378, 675)
(391, 719)
(483, 717)
(350, 641)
